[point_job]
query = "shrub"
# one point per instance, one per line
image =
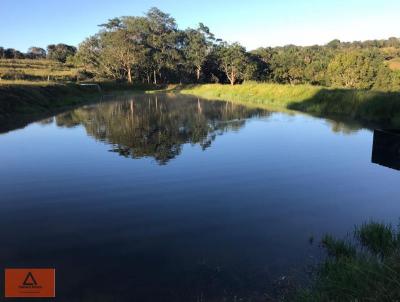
(367, 268)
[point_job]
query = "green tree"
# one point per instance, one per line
(233, 61)
(288, 65)
(198, 43)
(116, 50)
(162, 41)
(386, 79)
(151, 48)
(60, 52)
(11, 53)
(334, 44)
(355, 69)
(123, 44)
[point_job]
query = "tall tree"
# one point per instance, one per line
(162, 40)
(122, 44)
(198, 43)
(116, 50)
(233, 60)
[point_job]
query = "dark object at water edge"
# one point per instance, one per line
(386, 148)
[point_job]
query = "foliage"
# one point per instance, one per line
(198, 45)
(10, 53)
(60, 52)
(233, 61)
(193, 55)
(151, 48)
(355, 69)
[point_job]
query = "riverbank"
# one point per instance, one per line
(40, 97)
(26, 97)
(362, 105)
(22, 98)
(23, 102)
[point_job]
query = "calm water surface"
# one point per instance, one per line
(169, 198)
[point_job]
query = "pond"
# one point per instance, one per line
(174, 198)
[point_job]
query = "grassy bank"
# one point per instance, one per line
(363, 267)
(23, 102)
(375, 107)
(363, 105)
(38, 97)
(37, 86)
(29, 97)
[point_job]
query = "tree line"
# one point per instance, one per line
(57, 52)
(152, 49)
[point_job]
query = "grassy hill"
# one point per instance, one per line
(35, 70)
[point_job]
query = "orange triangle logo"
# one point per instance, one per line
(29, 280)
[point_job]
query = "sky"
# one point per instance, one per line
(253, 23)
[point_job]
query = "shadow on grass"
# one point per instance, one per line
(371, 108)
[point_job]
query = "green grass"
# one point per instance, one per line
(35, 70)
(268, 95)
(27, 97)
(371, 107)
(363, 105)
(23, 102)
(365, 267)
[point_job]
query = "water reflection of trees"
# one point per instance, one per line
(158, 126)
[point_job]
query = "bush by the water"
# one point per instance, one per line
(363, 267)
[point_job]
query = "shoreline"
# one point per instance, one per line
(366, 106)
(22, 102)
(41, 97)
(26, 102)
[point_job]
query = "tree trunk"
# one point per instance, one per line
(155, 78)
(129, 75)
(232, 78)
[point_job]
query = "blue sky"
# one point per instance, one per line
(26, 23)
